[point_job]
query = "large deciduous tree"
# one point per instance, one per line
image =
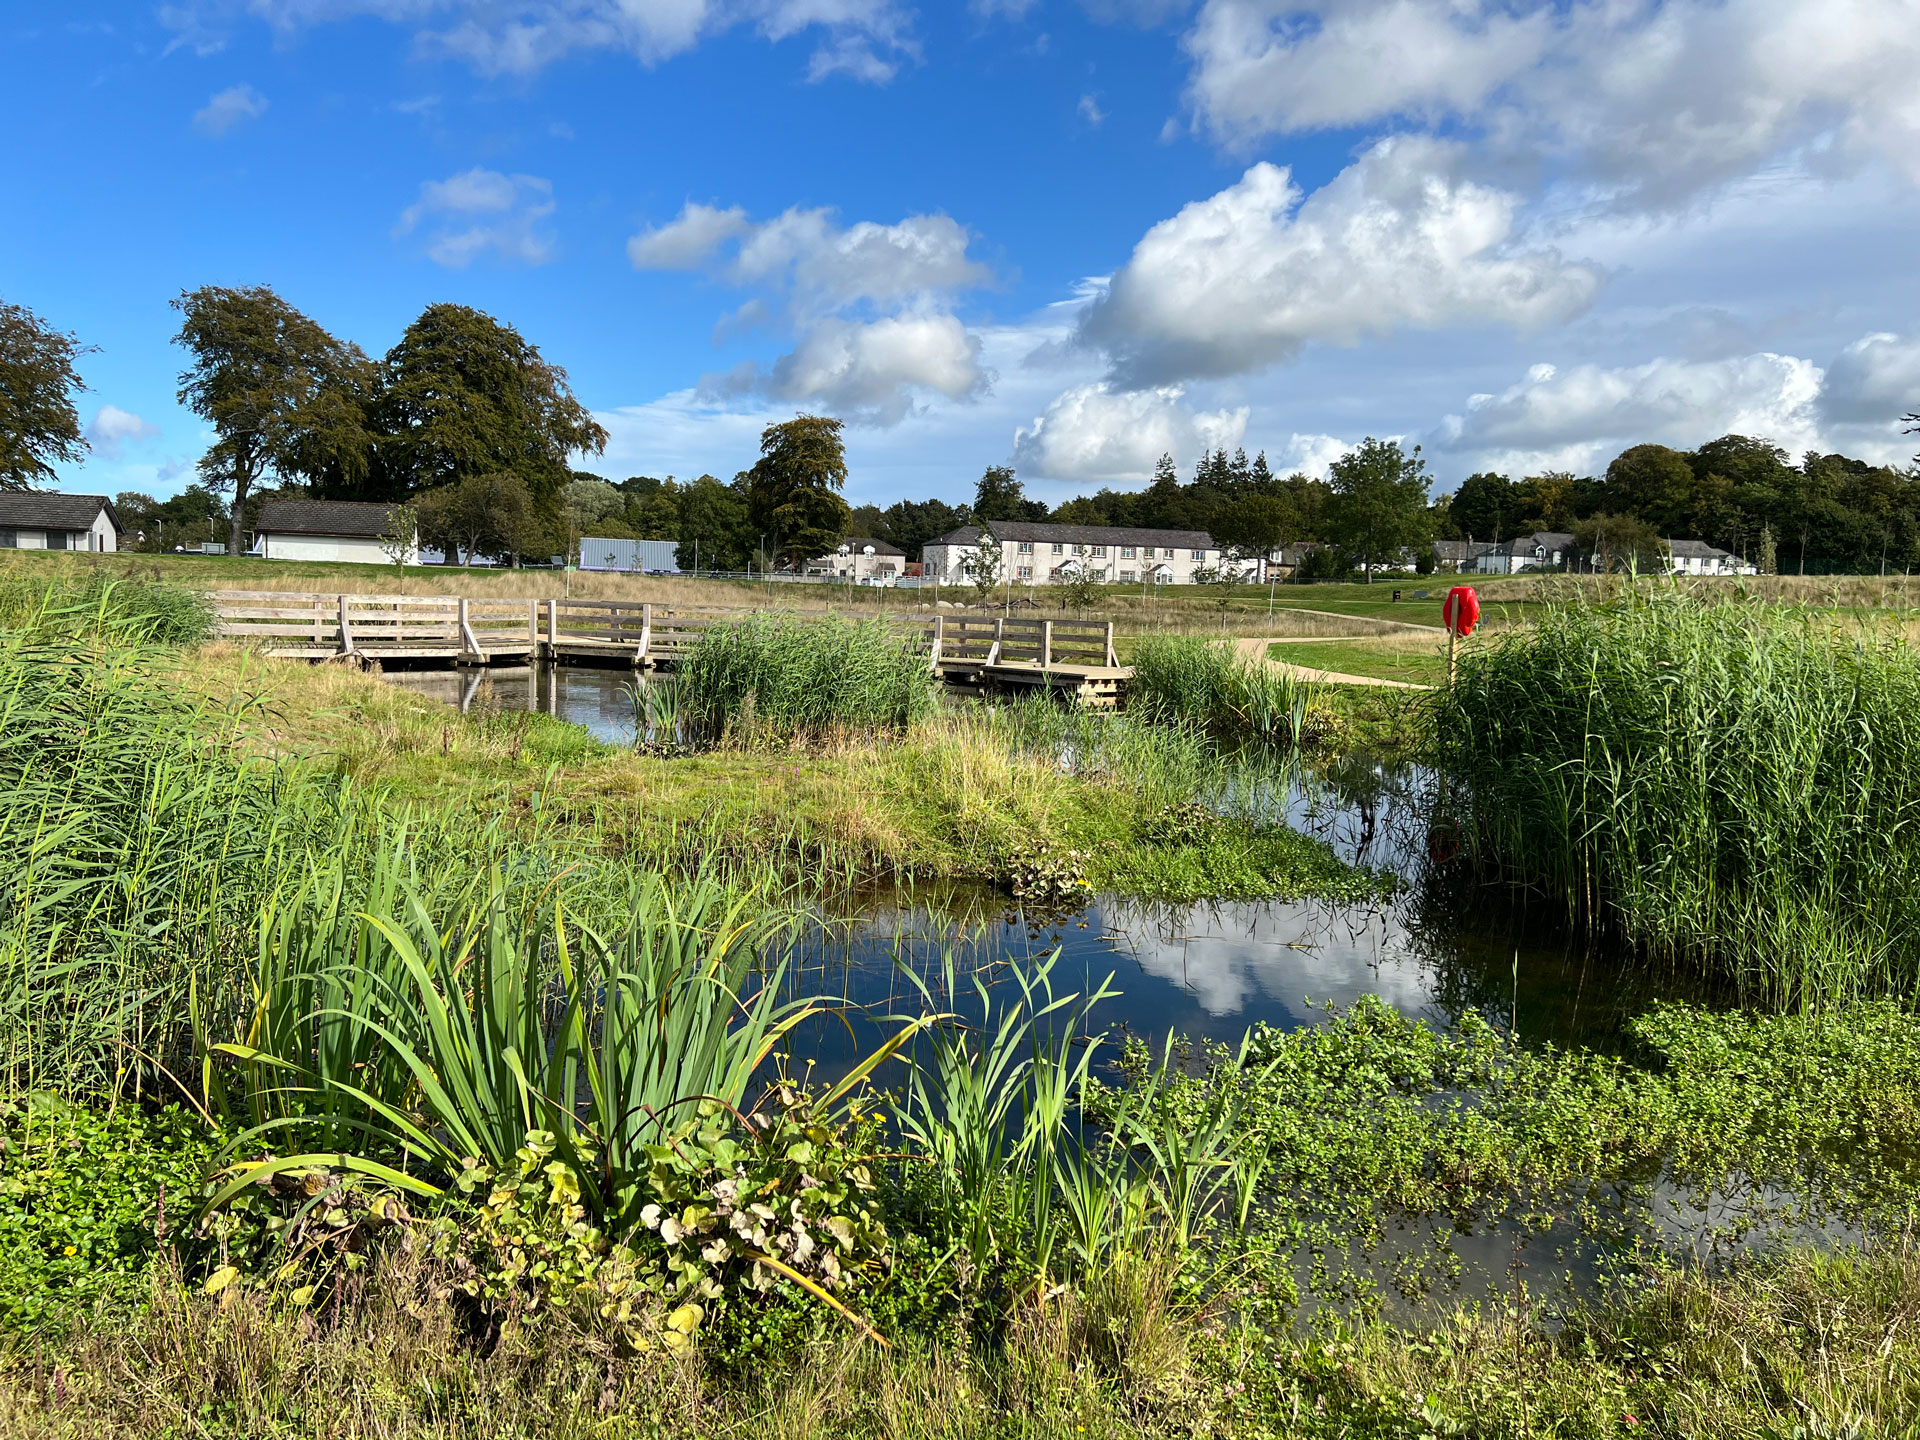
(282, 395)
(714, 531)
(490, 515)
(1379, 502)
(466, 396)
(793, 489)
(39, 427)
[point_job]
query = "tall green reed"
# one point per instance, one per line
(1735, 787)
(1205, 683)
(49, 603)
(783, 676)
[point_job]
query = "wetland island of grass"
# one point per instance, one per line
(785, 1047)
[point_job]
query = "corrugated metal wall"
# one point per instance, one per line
(630, 555)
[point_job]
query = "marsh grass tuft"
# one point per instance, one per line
(1734, 787)
(777, 676)
(1204, 683)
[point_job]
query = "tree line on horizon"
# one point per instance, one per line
(467, 424)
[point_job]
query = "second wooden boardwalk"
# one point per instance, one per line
(1073, 659)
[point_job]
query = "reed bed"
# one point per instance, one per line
(774, 675)
(1735, 787)
(69, 602)
(1204, 683)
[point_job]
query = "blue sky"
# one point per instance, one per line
(1066, 235)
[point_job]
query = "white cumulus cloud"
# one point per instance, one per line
(1655, 99)
(1097, 433)
(868, 303)
(1873, 382)
(229, 108)
(112, 429)
(1245, 278)
(1578, 417)
(479, 211)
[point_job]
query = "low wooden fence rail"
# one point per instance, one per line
(976, 651)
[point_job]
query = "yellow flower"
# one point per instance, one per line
(69, 1251)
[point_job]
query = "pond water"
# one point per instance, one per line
(1439, 948)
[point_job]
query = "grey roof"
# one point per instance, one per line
(880, 547)
(1697, 550)
(322, 517)
(1048, 533)
(48, 510)
(1548, 540)
(1462, 549)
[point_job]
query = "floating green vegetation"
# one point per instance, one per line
(780, 676)
(1731, 786)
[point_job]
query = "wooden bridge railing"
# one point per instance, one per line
(428, 625)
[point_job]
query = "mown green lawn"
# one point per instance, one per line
(1416, 664)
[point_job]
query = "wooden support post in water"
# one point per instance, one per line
(469, 642)
(346, 630)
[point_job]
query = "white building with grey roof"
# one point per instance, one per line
(335, 530)
(44, 520)
(1034, 552)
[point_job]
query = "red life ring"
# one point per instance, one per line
(1461, 612)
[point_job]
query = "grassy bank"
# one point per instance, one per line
(1728, 786)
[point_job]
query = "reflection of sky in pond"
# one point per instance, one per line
(1437, 949)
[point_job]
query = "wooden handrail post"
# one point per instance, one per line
(468, 640)
(1113, 657)
(999, 635)
(346, 630)
(939, 638)
(646, 636)
(1046, 644)
(553, 628)
(319, 627)
(533, 634)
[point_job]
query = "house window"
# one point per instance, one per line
(1199, 554)
(1026, 572)
(1100, 551)
(1026, 547)
(1127, 577)
(1054, 573)
(1126, 552)
(9, 539)
(1079, 549)
(1059, 549)
(56, 539)
(1166, 554)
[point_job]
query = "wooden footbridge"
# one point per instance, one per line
(1073, 659)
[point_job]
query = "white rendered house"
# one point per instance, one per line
(345, 531)
(41, 520)
(1034, 552)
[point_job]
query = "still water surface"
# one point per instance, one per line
(1436, 950)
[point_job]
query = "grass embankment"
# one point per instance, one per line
(960, 794)
(1730, 786)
